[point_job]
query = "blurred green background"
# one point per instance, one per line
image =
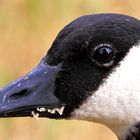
(27, 29)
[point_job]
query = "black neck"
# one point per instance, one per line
(133, 133)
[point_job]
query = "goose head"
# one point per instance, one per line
(91, 72)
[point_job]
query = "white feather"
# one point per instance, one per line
(116, 103)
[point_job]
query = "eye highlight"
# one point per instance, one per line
(103, 55)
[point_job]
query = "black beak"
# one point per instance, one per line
(33, 94)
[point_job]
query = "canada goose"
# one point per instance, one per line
(91, 72)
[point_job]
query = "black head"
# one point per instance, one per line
(82, 56)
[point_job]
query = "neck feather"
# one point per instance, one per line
(127, 132)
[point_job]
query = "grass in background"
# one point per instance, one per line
(27, 29)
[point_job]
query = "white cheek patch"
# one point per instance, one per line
(117, 100)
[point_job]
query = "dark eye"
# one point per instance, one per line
(103, 55)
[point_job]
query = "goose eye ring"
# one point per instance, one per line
(103, 55)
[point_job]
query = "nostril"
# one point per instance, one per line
(19, 94)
